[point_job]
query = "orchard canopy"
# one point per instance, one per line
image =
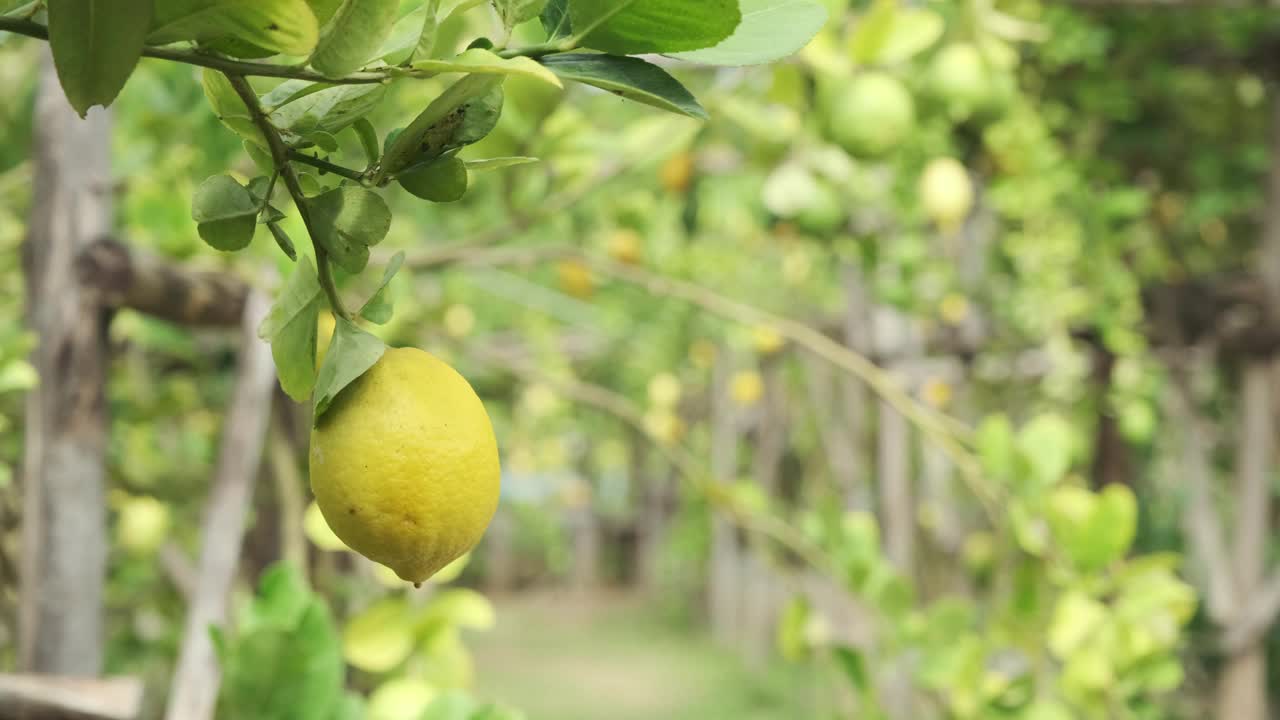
(636, 359)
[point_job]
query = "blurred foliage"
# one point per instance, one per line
(1101, 151)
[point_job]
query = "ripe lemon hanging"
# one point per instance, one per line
(404, 465)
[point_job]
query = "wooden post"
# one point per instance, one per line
(64, 536)
(194, 691)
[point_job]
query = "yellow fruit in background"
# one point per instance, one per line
(325, 325)
(664, 391)
(746, 388)
(626, 246)
(402, 698)
(797, 265)
(766, 339)
(664, 426)
(319, 532)
(936, 392)
(946, 193)
(871, 114)
(404, 465)
(703, 353)
(576, 279)
(143, 525)
(539, 400)
(677, 173)
(459, 321)
(954, 308)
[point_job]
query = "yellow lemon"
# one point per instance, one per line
(664, 426)
(459, 321)
(576, 279)
(946, 193)
(626, 246)
(325, 325)
(664, 391)
(766, 339)
(143, 525)
(404, 465)
(746, 388)
(677, 173)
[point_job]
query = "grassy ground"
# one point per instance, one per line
(559, 656)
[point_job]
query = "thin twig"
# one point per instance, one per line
(325, 165)
(280, 158)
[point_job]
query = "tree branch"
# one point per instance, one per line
(128, 279)
(280, 157)
(50, 697)
(194, 689)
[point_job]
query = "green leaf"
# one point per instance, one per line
(630, 27)
(1046, 444)
(498, 163)
(285, 26)
(282, 239)
(631, 78)
(225, 212)
(379, 308)
(230, 109)
(329, 109)
(770, 30)
(290, 327)
(353, 36)
(854, 666)
(96, 44)
(442, 181)
(324, 9)
(413, 36)
(897, 36)
(428, 134)
(348, 220)
(351, 354)
(514, 12)
(368, 139)
(555, 19)
(487, 62)
(451, 705)
(380, 637)
(792, 642)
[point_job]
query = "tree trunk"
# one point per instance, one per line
(64, 511)
(1242, 686)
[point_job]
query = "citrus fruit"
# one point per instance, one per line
(664, 390)
(946, 193)
(746, 388)
(576, 279)
(961, 79)
(625, 246)
(404, 465)
(142, 525)
(824, 211)
(870, 115)
(442, 181)
(677, 173)
(766, 339)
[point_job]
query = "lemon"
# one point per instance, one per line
(576, 279)
(677, 173)
(459, 321)
(664, 426)
(746, 388)
(766, 339)
(625, 246)
(946, 193)
(325, 325)
(142, 525)
(404, 466)
(664, 391)
(871, 115)
(961, 78)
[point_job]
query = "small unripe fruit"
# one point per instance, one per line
(946, 193)
(871, 115)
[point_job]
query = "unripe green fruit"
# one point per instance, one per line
(442, 181)
(870, 115)
(961, 79)
(824, 213)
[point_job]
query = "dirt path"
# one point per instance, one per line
(561, 656)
